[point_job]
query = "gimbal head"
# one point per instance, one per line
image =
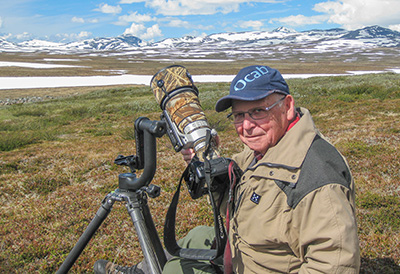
(146, 132)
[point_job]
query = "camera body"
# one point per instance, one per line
(195, 176)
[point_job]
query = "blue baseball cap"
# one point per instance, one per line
(253, 83)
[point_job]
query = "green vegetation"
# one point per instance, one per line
(56, 166)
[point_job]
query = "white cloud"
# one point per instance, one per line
(394, 27)
(134, 17)
(190, 7)
(73, 36)
(81, 20)
(77, 20)
(23, 36)
(135, 29)
(300, 20)
(352, 14)
(178, 23)
(130, 1)
(84, 34)
(105, 8)
(177, 7)
(17, 37)
(152, 32)
(140, 31)
(349, 14)
(256, 25)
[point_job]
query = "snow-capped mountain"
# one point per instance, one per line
(239, 42)
(372, 33)
(108, 44)
(118, 43)
(286, 36)
(6, 46)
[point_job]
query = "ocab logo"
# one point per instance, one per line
(255, 74)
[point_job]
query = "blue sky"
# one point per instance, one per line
(155, 20)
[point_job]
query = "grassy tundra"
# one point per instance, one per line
(56, 166)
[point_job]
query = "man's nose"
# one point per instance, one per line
(248, 122)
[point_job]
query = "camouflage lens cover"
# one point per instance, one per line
(170, 79)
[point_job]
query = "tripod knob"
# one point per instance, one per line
(153, 191)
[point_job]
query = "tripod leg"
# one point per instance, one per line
(160, 253)
(98, 219)
(135, 210)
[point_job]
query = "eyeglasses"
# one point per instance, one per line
(255, 113)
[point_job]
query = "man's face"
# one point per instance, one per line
(260, 135)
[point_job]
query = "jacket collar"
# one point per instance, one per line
(293, 147)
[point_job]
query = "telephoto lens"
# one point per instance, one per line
(178, 98)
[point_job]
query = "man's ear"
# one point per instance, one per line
(290, 107)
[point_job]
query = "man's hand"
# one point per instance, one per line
(188, 154)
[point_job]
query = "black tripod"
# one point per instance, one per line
(133, 191)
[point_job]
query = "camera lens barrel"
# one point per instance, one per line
(177, 95)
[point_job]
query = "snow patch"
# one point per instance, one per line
(128, 79)
(36, 65)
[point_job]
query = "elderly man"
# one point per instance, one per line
(293, 208)
(294, 205)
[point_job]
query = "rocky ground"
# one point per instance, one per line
(24, 100)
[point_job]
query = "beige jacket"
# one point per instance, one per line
(294, 210)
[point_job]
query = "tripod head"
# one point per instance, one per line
(146, 132)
